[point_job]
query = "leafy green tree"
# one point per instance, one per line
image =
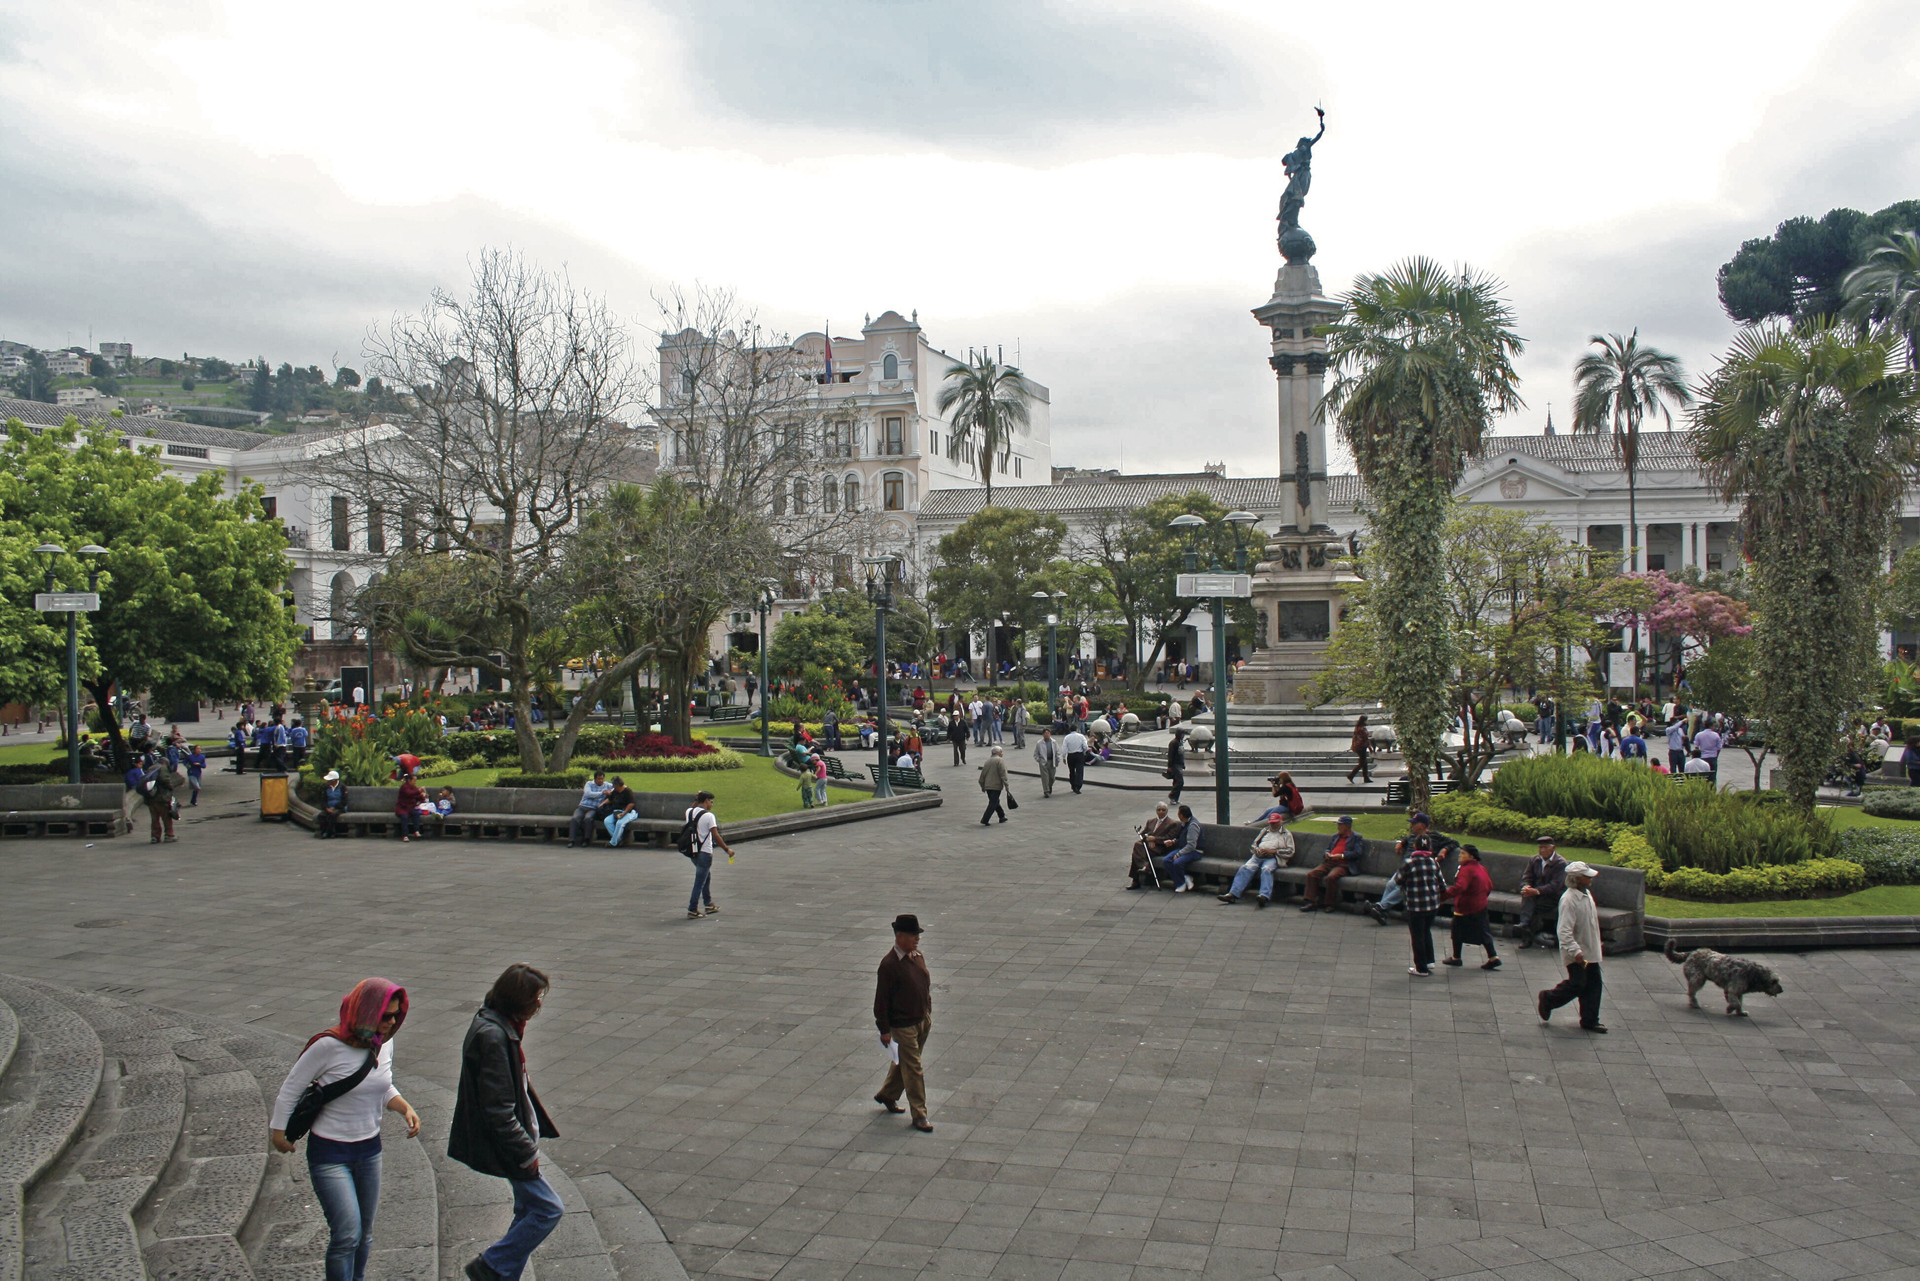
(988, 401)
(193, 595)
(1722, 679)
(1815, 428)
(815, 639)
(1900, 595)
(345, 378)
(260, 395)
(1885, 289)
(991, 563)
(33, 646)
(1422, 359)
(1798, 270)
(1515, 592)
(34, 382)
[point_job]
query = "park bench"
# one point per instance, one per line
(1620, 893)
(836, 770)
(729, 712)
(61, 809)
(513, 812)
(901, 776)
(1400, 791)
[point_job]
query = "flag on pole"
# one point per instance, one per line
(829, 335)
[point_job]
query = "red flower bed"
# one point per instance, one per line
(638, 745)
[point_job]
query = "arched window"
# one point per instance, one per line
(799, 497)
(340, 592)
(688, 381)
(829, 496)
(894, 491)
(890, 367)
(853, 493)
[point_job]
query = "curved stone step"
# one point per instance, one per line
(9, 1035)
(635, 1244)
(49, 1083)
(79, 1216)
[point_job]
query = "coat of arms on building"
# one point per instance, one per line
(1513, 487)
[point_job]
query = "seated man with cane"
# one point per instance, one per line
(1158, 835)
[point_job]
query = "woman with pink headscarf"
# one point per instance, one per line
(343, 1151)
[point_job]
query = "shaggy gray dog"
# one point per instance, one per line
(1736, 975)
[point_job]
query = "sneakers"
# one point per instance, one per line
(713, 909)
(1309, 907)
(1227, 898)
(1419, 973)
(693, 916)
(1184, 886)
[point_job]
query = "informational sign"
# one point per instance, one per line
(66, 602)
(1214, 585)
(1621, 671)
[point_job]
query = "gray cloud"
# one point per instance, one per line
(1000, 76)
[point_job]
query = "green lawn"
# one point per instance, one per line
(753, 791)
(1391, 827)
(1881, 900)
(1854, 816)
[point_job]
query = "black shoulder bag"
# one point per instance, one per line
(316, 1097)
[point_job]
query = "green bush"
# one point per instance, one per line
(497, 745)
(53, 771)
(1578, 786)
(1887, 856)
(1697, 827)
(436, 767)
(1522, 711)
(1774, 881)
(573, 778)
(723, 758)
(1474, 813)
(1040, 714)
(1893, 802)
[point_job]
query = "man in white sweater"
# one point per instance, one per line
(1579, 951)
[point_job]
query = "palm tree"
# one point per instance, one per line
(1422, 359)
(1816, 428)
(1886, 288)
(1617, 386)
(988, 400)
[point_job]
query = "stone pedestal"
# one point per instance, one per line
(1299, 590)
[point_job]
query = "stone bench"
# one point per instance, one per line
(61, 809)
(1620, 893)
(513, 812)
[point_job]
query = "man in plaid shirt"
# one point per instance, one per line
(1422, 883)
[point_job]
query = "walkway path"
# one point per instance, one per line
(1124, 1085)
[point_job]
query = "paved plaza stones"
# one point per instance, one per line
(1123, 1085)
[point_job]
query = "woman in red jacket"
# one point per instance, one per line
(406, 807)
(1471, 889)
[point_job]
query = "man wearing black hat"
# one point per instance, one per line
(903, 1009)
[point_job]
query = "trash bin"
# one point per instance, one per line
(273, 798)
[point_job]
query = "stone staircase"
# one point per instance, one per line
(133, 1145)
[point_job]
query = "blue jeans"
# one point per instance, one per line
(1177, 865)
(702, 880)
(536, 1213)
(1392, 896)
(1266, 867)
(617, 825)
(349, 1193)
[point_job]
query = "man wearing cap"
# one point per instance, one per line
(1343, 858)
(1579, 952)
(903, 1009)
(1420, 836)
(333, 805)
(1541, 886)
(1270, 848)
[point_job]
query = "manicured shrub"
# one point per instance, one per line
(719, 758)
(1474, 813)
(436, 767)
(53, 771)
(573, 778)
(635, 746)
(1697, 827)
(1774, 881)
(1577, 786)
(1893, 802)
(1522, 711)
(1887, 856)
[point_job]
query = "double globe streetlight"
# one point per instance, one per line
(880, 593)
(74, 608)
(1052, 606)
(1217, 586)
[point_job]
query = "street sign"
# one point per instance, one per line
(1214, 585)
(66, 602)
(1620, 671)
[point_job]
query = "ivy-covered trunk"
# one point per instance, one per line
(531, 759)
(1409, 513)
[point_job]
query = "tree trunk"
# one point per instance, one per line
(676, 680)
(1633, 546)
(110, 720)
(531, 759)
(589, 695)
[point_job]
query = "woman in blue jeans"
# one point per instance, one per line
(343, 1150)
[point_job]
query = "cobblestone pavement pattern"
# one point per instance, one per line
(1123, 1085)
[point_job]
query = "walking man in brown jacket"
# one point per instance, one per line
(903, 1009)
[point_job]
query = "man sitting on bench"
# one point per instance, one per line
(1541, 886)
(1178, 878)
(1270, 849)
(1322, 890)
(1420, 836)
(1158, 835)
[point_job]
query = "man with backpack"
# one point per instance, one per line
(698, 835)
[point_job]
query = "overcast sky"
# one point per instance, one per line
(1093, 185)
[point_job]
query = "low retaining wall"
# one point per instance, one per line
(1793, 933)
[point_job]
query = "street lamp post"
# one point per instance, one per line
(1053, 600)
(73, 611)
(765, 604)
(1222, 756)
(882, 597)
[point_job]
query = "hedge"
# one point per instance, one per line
(559, 782)
(1887, 856)
(719, 758)
(1472, 812)
(1771, 881)
(1893, 802)
(1721, 832)
(1578, 786)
